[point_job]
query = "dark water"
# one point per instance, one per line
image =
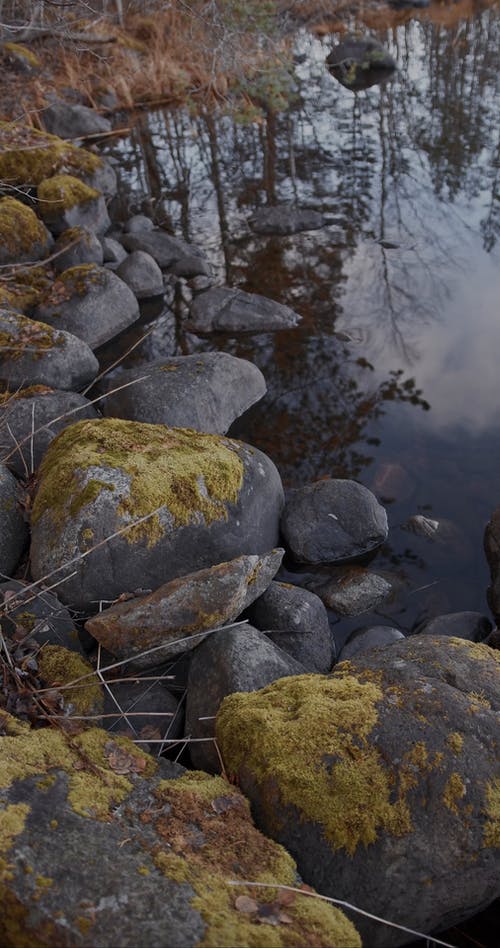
(392, 377)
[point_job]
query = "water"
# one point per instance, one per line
(392, 376)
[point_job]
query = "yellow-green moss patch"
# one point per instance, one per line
(12, 822)
(475, 650)
(63, 192)
(453, 792)
(25, 393)
(28, 336)
(27, 156)
(61, 665)
(19, 51)
(20, 228)
(455, 741)
(492, 810)
(194, 475)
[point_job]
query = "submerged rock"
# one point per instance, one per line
(230, 310)
(381, 779)
(283, 219)
(162, 845)
(360, 63)
(160, 502)
(207, 391)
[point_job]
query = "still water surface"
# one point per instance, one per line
(392, 377)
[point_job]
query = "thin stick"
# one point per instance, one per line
(117, 361)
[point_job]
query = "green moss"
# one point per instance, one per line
(492, 809)
(12, 822)
(22, 52)
(25, 393)
(453, 792)
(28, 336)
(474, 650)
(61, 193)
(455, 741)
(223, 844)
(23, 287)
(27, 156)
(44, 882)
(61, 665)
(20, 228)
(194, 475)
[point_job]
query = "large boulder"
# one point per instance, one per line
(91, 302)
(332, 520)
(34, 353)
(283, 219)
(207, 391)
(231, 310)
(157, 503)
(23, 237)
(104, 846)
(382, 780)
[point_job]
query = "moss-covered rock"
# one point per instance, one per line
(382, 779)
(59, 666)
(23, 236)
(22, 288)
(149, 858)
(160, 502)
(21, 57)
(34, 353)
(66, 201)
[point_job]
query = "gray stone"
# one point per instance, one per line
(463, 625)
(373, 636)
(207, 391)
(353, 590)
(73, 121)
(283, 219)
(104, 179)
(93, 303)
(40, 614)
(230, 310)
(178, 615)
(142, 274)
(113, 252)
(34, 353)
(298, 622)
(30, 420)
(171, 253)
(170, 500)
(138, 223)
(145, 711)
(61, 207)
(77, 246)
(381, 780)
(13, 529)
(332, 520)
(240, 659)
(23, 237)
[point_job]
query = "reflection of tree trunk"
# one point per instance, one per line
(270, 158)
(219, 192)
(150, 163)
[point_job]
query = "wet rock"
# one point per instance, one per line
(142, 274)
(171, 254)
(39, 614)
(34, 353)
(360, 63)
(65, 201)
(492, 551)
(393, 482)
(171, 501)
(230, 310)
(113, 252)
(463, 625)
(73, 121)
(283, 219)
(373, 636)
(162, 843)
(23, 237)
(207, 391)
(298, 622)
(240, 659)
(380, 777)
(77, 246)
(353, 590)
(31, 418)
(332, 520)
(173, 618)
(13, 529)
(144, 711)
(91, 302)
(138, 223)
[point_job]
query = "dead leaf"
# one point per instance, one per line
(285, 897)
(122, 761)
(285, 919)
(246, 905)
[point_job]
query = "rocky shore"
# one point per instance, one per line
(147, 614)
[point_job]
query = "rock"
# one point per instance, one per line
(298, 622)
(77, 246)
(332, 520)
(28, 156)
(353, 590)
(283, 219)
(381, 779)
(25, 288)
(40, 614)
(463, 625)
(21, 59)
(138, 223)
(392, 481)
(33, 353)
(372, 636)
(31, 418)
(91, 302)
(222, 309)
(206, 391)
(64, 201)
(72, 677)
(73, 121)
(170, 253)
(171, 500)
(145, 711)
(142, 274)
(408, 4)
(240, 659)
(23, 237)
(113, 252)
(360, 63)
(13, 529)
(172, 619)
(492, 551)
(162, 846)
